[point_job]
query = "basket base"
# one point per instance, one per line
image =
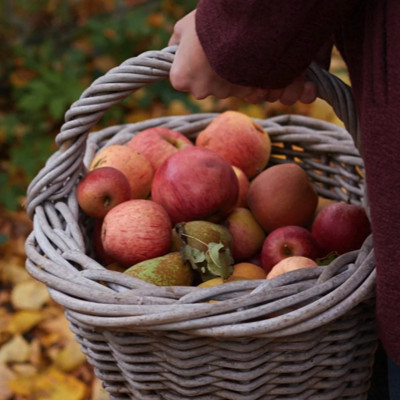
(332, 362)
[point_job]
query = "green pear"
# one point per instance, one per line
(206, 246)
(167, 270)
(198, 234)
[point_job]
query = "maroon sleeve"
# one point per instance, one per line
(266, 43)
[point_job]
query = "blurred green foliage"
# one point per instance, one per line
(51, 50)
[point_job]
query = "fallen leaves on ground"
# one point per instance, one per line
(39, 356)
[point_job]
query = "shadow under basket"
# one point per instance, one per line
(307, 334)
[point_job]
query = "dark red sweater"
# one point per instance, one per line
(267, 43)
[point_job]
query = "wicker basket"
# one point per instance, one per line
(308, 334)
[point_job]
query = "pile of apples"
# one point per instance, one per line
(175, 212)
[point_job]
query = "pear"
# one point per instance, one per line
(206, 246)
(167, 270)
(198, 234)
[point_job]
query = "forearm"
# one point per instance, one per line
(266, 43)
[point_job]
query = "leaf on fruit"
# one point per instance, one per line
(326, 260)
(216, 261)
(194, 256)
(219, 260)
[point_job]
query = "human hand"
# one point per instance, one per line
(191, 72)
(299, 90)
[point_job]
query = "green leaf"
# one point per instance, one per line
(3, 238)
(194, 256)
(219, 260)
(326, 260)
(10, 193)
(215, 261)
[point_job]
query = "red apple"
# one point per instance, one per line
(134, 165)
(341, 227)
(256, 259)
(239, 139)
(195, 184)
(247, 234)
(288, 241)
(290, 264)
(98, 248)
(158, 143)
(244, 185)
(322, 203)
(101, 189)
(282, 195)
(136, 230)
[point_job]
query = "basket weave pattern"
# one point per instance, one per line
(308, 334)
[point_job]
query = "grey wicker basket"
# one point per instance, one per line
(308, 334)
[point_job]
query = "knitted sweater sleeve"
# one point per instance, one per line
(266, 43)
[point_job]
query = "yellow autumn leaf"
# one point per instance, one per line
(29, 295)
(70, 357)
(17, 349)
(206, 105)
(104, 63)
(57, 327)
(55, 385)
(138, 115)
(25, 370)
(156, 20)
(6, 376)
(12, 271)
(22, 385)
(320, 109)
(23, 321)
(20, 77)
(176, 107)
(4, 320)
(98, 392)
(254, 111)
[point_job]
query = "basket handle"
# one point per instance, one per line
(55, 180)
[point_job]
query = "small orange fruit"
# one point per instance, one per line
(248, 270)
(220, 281)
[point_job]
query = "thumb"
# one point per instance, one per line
(174, 40)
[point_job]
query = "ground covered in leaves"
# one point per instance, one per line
(39, 357)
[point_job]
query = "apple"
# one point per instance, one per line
(98, 248)
(341, 227)
(256, 259)
(288, 241)
(290, 264)
(282, 195)
(244, 185)
(136, 230)
(195, 184)
(134, 165)
(322, 203)
(158, 143)
(239, 139)
(248, 235)
(101, 189)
